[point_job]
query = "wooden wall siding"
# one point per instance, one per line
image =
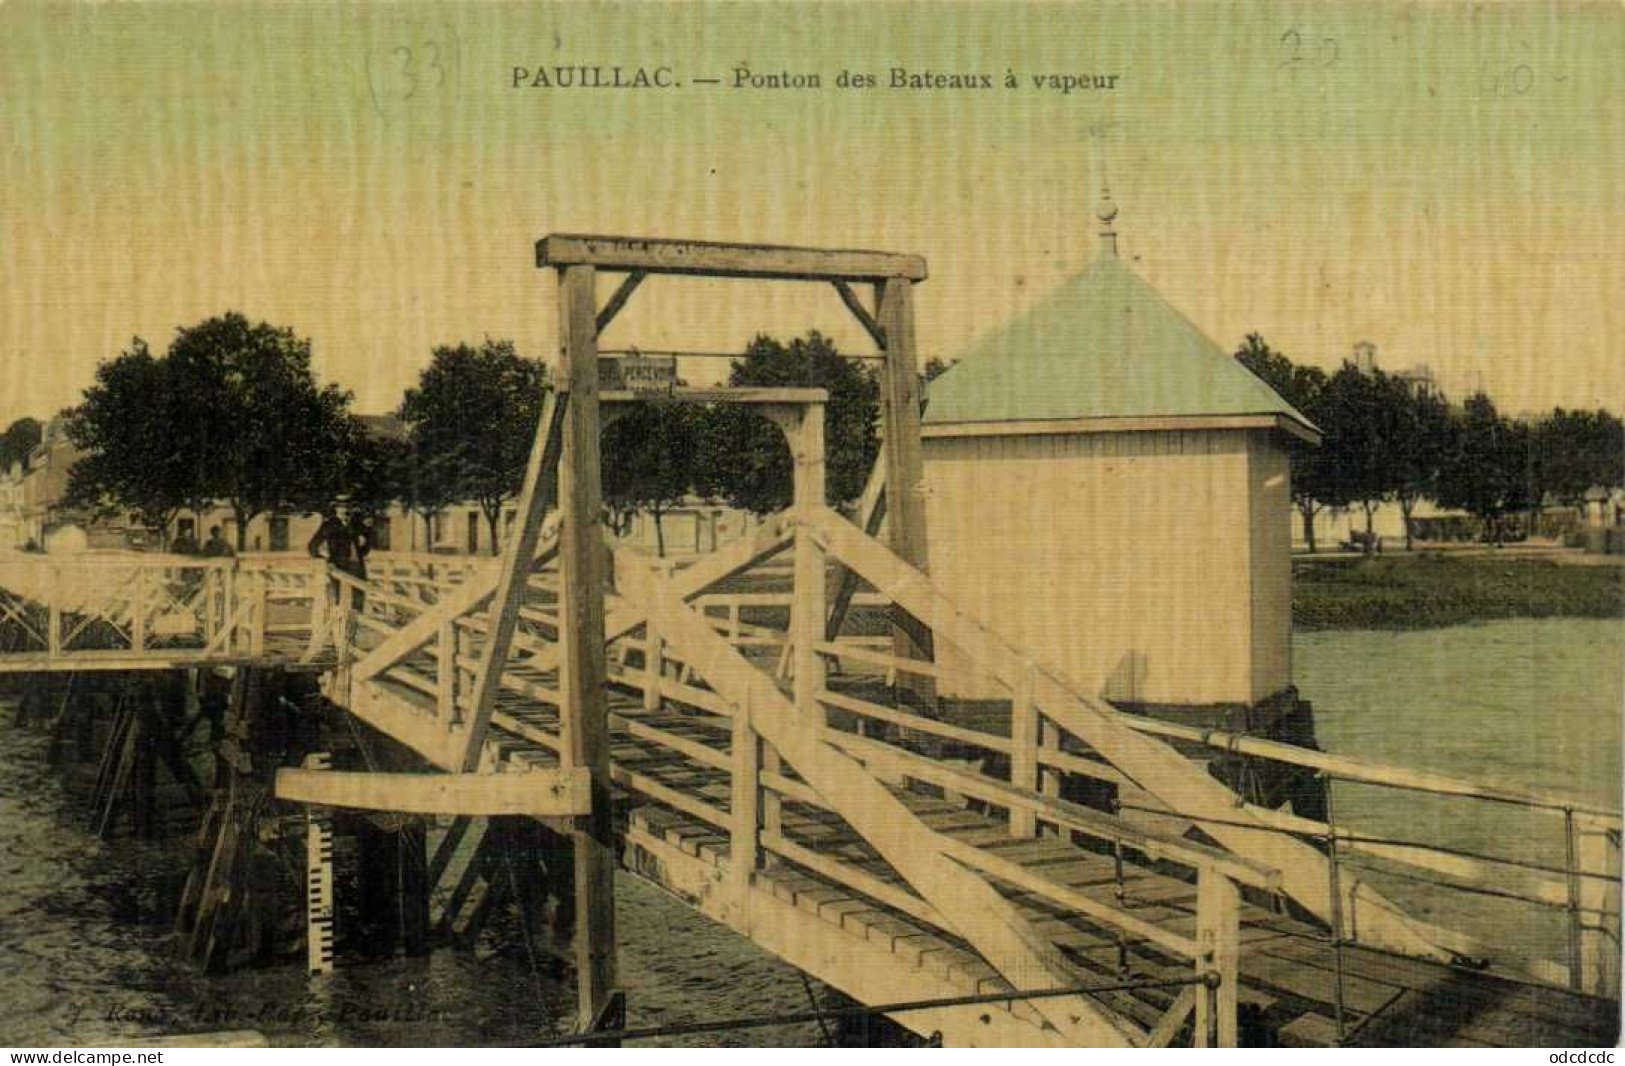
(1123, 558)
(1269, 497)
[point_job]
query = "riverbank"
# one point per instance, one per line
(1426, 590)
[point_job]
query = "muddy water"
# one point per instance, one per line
(86, 954)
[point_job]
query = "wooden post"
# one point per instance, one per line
(446, 673)
(261, 593)
(1598, 853)
(378, 856)
(1023, 752)
(319, 612)
(744, 848)
(900, 407)
(203, 603)
(53, 613)
(1218, 931)
(807, 608)
(654, 655)
(412, 861)
(584, 713)
(228, 608)
(138, 611)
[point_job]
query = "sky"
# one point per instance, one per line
(1440, 179)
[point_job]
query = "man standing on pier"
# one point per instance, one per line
(216, 546)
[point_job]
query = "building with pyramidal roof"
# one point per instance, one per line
(1107, 486)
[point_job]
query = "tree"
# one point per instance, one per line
(1485, 471)
(743, 458)
(138, 434)
(370, 474)
(1421, 440)
(472, 421)
(263, 435)
(1360, 422)
(650, 461)
(1313, 489)
(1577, 450)
(19, 439)
(427, 483)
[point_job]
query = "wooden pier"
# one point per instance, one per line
(758, 733)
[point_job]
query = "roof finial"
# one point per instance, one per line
(1106, 212)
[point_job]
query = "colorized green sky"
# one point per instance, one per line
(1443, 180)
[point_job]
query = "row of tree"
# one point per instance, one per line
(233, 413)
(1386, 439)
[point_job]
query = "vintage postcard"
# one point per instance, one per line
(811, 524)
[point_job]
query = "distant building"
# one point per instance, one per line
(1365, 357)
(13, 533)
(46, 521)
(1419, 378)
(693, 527)
(46, 482)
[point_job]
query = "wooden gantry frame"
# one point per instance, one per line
(564, 465)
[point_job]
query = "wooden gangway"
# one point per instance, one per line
(1112, 900)
(759, 732)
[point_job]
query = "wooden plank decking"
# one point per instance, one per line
(670, 767)
(827, 902)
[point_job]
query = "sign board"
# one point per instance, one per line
(637, 373)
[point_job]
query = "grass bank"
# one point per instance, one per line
(1426, 590)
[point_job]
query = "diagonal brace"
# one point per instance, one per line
(540, 488)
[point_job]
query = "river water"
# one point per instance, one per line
(86, 955)
(1529, 704)
(85, 952)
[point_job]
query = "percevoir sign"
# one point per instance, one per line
(637, 373)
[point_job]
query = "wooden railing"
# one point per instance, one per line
(136, 611)
(1585, 887)
(676, 638)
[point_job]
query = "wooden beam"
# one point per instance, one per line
(905, 468)
(618, 299)
(540, 486)
(768, 539)
(1173, 1020)
(426, 626)
(718, 260)
(871, 513)
(868, 969)
(1218, 925)
(990, 923)
(538, 793)
(786, 397)
(807, 607)
(1151, 763)
(1133, 424)
(583, 705)
(861, 313)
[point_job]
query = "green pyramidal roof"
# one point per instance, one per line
(1103, 345)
